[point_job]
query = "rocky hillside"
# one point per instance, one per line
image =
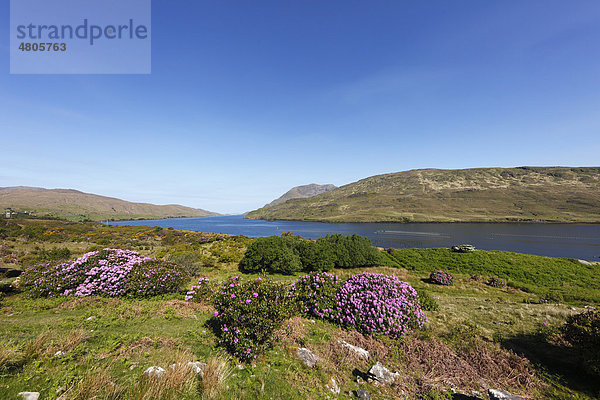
(557, 194)
(76, 205)
(302, 192)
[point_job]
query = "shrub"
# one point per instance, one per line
(155, 277)
(583, 331)
(247, 314)
(202, 292)
(288, 254)
(315, 294)
(441, 277)
(372, 302)
(109, 272)
(427, 302)
(272, 254)
(496, 282)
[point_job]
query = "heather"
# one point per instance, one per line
(583, 332)
(107, 272)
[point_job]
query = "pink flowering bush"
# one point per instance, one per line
(203, 291)
(248, 313)
(441, 277)
(315, 294)
(108, 272)
(372, 302)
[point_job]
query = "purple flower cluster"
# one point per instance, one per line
(203, 291)
(315, 294)
(441, 277)
(372, 302)
(108, 272)
(247, 313)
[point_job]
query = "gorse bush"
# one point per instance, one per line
(108, 272)
(315, 294)
(373, 302)
(583, 332)
(248, 313)
(441, 277)
(289, 254)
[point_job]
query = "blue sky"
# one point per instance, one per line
(248, 99)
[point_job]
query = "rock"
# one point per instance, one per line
(29, 395)
(359, 351)
(502, 395)
(308, 357)
(59, 354)
(363, 394)
(154, 371)
(382, 375)
(90, 318)
(333, 387)
(198, 367)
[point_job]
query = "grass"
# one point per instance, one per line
(481, 336)
(557, 279)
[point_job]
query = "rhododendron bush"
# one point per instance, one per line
(108, 272)
(373, 302)
(247, 314)
(315, 294)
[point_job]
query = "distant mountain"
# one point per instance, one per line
(76, 205)
(302, 192)
(556, 194)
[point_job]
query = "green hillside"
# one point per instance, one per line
(75, 205)
(553, 194)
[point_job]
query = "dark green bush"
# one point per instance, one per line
(248, 313)
(289, 254)
(583, 332)
(272, 254)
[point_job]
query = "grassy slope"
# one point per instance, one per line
(75, 205)
(474, 324)
(431, 195)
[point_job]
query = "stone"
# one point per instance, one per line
(59, 354)
(154, 371)
(308, 357)
(90, 318)
(359, 351)
(363, 394)
(29, 395)
(382, 375)
(502, 395)
(198, 367)
(333, 387)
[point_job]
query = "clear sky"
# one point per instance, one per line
(247, 99)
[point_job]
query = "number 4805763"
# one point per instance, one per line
(43, 46)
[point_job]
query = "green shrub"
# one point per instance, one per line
(583, 332)
(248, 313)
(427, 302)
(155, 277)
(272, 254)
(288, 254)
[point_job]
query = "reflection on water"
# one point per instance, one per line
(554, 240)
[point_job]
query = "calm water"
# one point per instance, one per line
(554, 240)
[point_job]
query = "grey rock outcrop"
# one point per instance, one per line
(502, 395)
(359, 351)
(154, 371)
(308, 357)
(29, 395)
(382, 375)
